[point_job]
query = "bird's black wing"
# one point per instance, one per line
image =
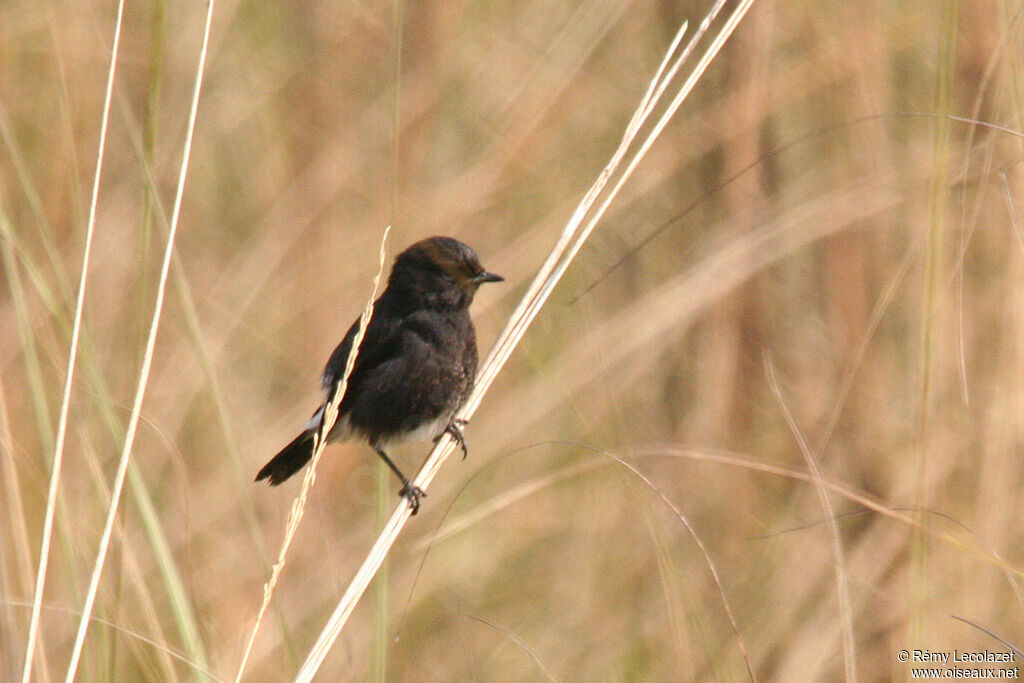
(418, 380)
(374, 351)
(380, 344)
(335, 367)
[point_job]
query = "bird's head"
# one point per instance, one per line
(440, 269)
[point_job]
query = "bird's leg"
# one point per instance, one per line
(454, 429)
(409, 492)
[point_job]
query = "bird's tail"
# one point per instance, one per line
(289, 461)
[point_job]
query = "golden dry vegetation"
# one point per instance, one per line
(819, 268)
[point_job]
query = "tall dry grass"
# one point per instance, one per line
(841, 194)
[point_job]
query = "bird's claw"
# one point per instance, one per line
(412, 494)
(454, 429)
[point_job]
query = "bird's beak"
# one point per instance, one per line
(488, 277)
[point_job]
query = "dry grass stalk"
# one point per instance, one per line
(147, 361)
(319, 443)
(564, 251)
(69, 376)
(842, 589)
(903, 515)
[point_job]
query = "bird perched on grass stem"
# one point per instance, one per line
(416, 364)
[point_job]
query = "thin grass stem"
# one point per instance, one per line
(133, 420)
(842, 587)
(330, 416)
(69, 376)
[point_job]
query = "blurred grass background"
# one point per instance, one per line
(810, 206)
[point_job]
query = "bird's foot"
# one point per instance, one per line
(412, 494)
(454, 429)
